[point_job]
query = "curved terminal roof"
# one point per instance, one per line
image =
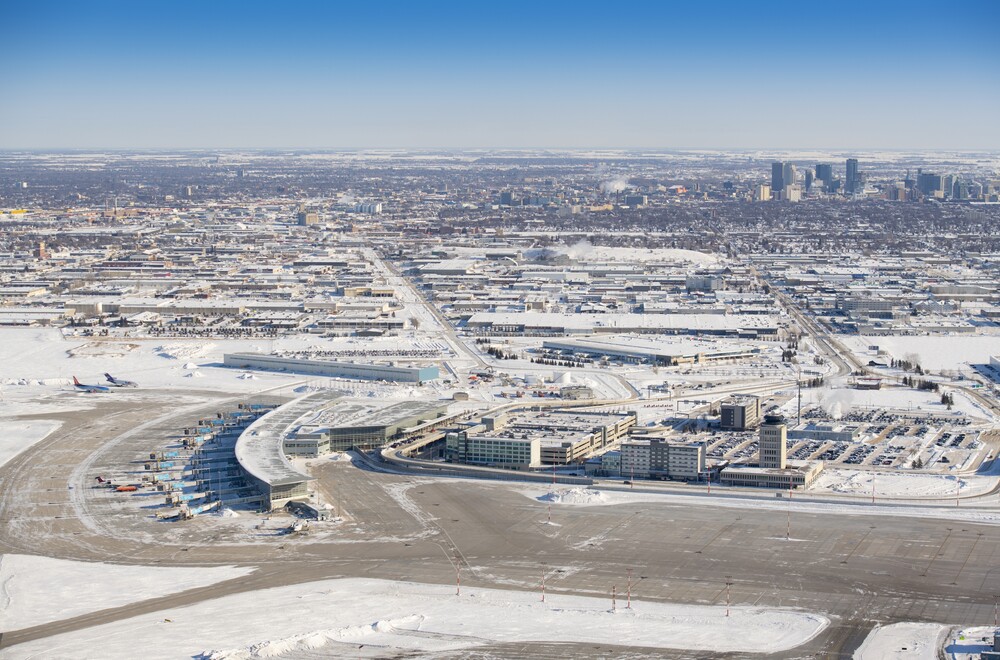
(260, 450)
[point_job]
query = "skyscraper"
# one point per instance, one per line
(809, 180)
(851, 179)
(930, 184)
(788, 174)
(824, 173)
(777, 176)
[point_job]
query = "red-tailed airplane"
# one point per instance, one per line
(93, 389)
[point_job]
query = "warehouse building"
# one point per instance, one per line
(648, 351)
(331, 368)
(835, 432)
(561, 324)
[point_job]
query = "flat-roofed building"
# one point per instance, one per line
(760, 477)
(817, 431)
(501, 452)
(656, 457)
(363, 424)
(565, 437)
(331, 368)
(740, 412)
(652, 351)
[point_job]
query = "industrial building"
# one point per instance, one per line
(772, 469)
(553, 324)
(331, 368)
(816, 431)
(637, 350)
(363, 424)
(740, 413)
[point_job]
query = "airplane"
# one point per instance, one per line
(115, 382)
(93, 389)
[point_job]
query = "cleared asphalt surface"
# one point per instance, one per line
(857, 569)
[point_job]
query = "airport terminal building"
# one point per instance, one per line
(261, 457)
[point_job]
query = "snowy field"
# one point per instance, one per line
(909, 641)
(16, 436)
(335, 618)
(932, 352)
(36, 590)
(35, 358)
(42, 362)
(839, 401)
(898, 484)
(584, 251)
(722, 497)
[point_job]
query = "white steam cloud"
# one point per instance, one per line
(614, 185)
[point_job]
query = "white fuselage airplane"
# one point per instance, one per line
(116, 382)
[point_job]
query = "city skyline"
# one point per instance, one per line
(449, 76)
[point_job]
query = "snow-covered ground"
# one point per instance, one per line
(724, 497)
(909, 641)
(39, 364)
(16, 436)
(899, 484)
(45, 358)
(838, 401)
(935, 352)
(339, 616)
(36, 590)
(584, 251)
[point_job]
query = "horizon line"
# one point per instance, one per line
(493, 149)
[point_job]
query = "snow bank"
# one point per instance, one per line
(575, 496)
(36, 590)
(406, 618)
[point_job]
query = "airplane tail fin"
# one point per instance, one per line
(75, 381)
(109, 378)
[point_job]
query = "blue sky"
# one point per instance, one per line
(157, 74)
